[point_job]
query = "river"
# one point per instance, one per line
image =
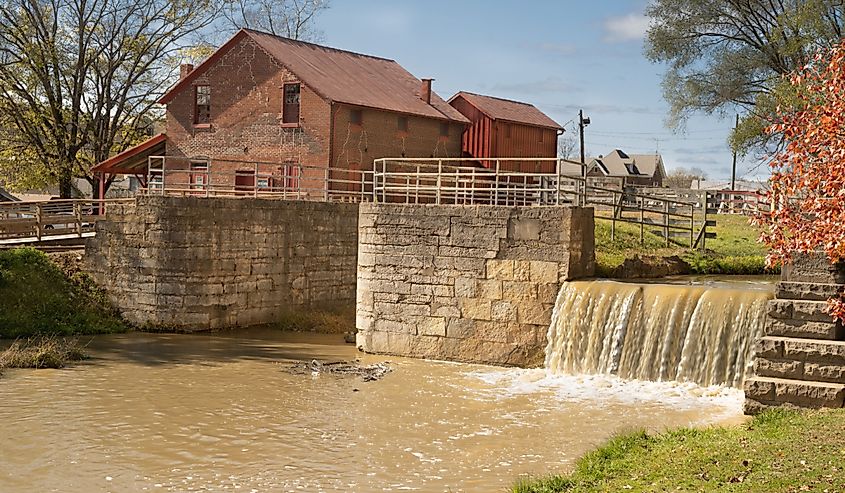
(221, 412)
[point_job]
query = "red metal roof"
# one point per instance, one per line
(340, 76)
(134, 159)
(505, 109)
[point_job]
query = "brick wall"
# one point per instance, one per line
(198, 263)
(379, 136)
(465, 283)
(246, 111)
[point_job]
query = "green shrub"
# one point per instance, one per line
(36, 297)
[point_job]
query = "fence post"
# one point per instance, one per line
(691, 225)
(326, 185)
(375, 173)
(666, 221)
(439, 178)
(496, 185)
(38, 219)
(642, 219)
(77, 212)
(299, 181)
(613, 220)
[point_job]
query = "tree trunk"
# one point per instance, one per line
(66, 184)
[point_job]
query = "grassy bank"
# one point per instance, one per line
(39, 297)
(777, 451)
(735, 249)
(41, 352)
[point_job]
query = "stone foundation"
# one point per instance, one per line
(801, 359)
(466, 283)
(201, 263)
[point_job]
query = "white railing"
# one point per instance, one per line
(167, 175)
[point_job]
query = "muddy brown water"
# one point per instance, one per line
(221, 413)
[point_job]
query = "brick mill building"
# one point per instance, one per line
(268, 113)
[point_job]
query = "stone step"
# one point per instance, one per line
(802, 329)
(813, 267)
(809, 291)
(776, 391)
(806, 350)
(810, 311)
(799, 370)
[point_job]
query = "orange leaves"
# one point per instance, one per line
(808, 179)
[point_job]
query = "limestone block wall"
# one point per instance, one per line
(801, 359)
(197, 263)
(466, 283)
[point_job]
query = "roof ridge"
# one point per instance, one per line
(496, 97)
(299, 41)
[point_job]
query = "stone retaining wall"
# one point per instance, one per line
(466, 283)
(801, 359)
(198, 263)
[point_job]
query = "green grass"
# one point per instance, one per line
(777, 451)
(37, 297)
(735, 250)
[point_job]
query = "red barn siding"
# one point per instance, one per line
(488, 138)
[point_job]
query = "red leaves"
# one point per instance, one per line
(810, 172)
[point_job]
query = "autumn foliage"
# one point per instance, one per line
(808, 180)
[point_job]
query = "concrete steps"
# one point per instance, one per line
(769, 391)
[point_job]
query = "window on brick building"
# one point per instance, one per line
(356, 117)
(402, 123)
(199, 175)
(444, 129)
(202, 104)
(290, 104)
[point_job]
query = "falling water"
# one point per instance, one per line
(701, 334)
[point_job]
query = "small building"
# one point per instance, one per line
(644, 170)
(271, 113)
(6, 196)
(502, 128)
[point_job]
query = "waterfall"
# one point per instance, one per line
(695, 333)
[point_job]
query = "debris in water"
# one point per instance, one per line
(368, 373)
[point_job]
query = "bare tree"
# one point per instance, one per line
(683, 178)
(567, 146)
(79, 78)
(289, 18)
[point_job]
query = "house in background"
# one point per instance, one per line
(265, 111)
(504, 128)
(621, 169)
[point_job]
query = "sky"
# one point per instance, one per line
(561, 56)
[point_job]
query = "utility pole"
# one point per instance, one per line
(582, 122)
(733, 168)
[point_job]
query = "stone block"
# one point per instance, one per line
(804, 329)
(501, 270)
(810, 311)
(503, 311)
(536, 313)
(466, 287)
(816, 351)
(809, 394)
(808, 291)
(432, 326)
(544, 272)
(824, 372)
(519, 291)
(778, 368)
(475, 308)
(760, 388)
(490, 289)
(524, 229)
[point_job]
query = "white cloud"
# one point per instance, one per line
(630, 27)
